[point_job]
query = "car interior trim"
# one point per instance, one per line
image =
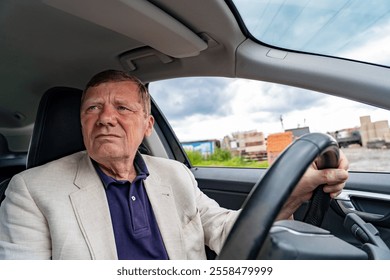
(348, 194)
(301, 70)
(166, 28)
(278, 228)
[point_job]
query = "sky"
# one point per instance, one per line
(210, 108)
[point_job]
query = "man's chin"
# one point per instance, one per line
(109, 155)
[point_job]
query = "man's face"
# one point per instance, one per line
(113, 121)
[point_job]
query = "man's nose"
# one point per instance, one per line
(107, 116)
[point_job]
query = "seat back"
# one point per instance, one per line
(57, 129)
(3, 187)
(3, 145)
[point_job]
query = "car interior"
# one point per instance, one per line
(50, 49)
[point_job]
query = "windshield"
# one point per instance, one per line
(352, 29)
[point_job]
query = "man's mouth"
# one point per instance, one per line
(106, 136)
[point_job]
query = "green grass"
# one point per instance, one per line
(223, 158)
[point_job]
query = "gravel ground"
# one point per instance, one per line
(363, 159)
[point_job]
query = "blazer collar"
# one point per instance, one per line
(92, 211)
(164, 208)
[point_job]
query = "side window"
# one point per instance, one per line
(245, 123)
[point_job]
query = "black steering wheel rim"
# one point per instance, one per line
(271, 192)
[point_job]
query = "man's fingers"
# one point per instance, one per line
(333, 176)
(334, 190)
(334, 194)
(334, 181)
(343, 163)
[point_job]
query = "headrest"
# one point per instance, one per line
(57, 129)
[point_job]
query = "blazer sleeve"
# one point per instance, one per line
(24, 232)
(216, 220)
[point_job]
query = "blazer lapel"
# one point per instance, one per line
(92, 212)
(164, 208)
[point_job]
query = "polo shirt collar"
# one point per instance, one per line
(140, 167)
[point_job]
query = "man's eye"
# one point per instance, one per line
(92, 108)
(122, 108)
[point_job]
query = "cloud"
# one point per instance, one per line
(184, 97)
(206, 108)
(371, 46)
(210, 108)
(213, 97)
(274, 99)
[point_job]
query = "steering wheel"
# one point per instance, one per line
(271, 192)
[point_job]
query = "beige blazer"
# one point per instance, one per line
(60, 211)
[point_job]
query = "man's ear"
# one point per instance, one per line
(150, 123)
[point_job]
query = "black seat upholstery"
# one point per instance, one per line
(57, 129)
(11, 163)
(3, 145)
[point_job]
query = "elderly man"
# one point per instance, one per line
(111, 202)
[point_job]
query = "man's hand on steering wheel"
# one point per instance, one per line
(332, 179)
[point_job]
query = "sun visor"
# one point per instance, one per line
(139, 20)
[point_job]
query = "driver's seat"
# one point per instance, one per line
(57, 129)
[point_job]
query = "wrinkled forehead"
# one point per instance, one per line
(126, 90)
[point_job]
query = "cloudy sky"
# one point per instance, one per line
(208, 108)
(211, 108)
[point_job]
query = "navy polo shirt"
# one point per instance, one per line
(136, 232)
